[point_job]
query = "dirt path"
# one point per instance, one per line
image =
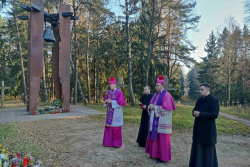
(233, 117)
(77, 142)
(230, 116)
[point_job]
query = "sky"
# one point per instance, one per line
(213, 14)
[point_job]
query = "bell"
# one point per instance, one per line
(48, 35)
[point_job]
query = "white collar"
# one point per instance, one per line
(114, 91)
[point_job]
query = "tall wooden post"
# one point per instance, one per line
(35, 52)
(55, 64)
(64, 52)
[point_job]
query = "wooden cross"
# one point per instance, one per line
(167, 84)
(107, 89)
(227, 103)
(120, 85)
(245, 105)
(245, 101)
(2, 93)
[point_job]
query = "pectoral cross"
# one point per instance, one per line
(2, 93)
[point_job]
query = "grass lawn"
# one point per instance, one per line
(18, 139)
(237, 112)
(241, 112)
(15, 139)
(182, 119)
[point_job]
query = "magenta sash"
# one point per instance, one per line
(110, 110)
(156, 101)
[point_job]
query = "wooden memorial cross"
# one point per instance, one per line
(2, 93)
(245, 101)
(107, 89)
(245, 105)
(119, 85)
(167, 84)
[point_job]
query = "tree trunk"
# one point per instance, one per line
(87, 58)
(45, 95)
(78, 81)
(132, 98)
(149, 43)
(169, 45)
(76, 65)
(20, 52)
(229, 80)
(97, 65)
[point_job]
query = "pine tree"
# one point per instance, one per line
(194, 83)
(208, 72)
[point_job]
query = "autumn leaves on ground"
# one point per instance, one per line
(78, 141)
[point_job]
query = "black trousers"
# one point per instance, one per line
(203, 155)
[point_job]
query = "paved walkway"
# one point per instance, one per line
(21, 114)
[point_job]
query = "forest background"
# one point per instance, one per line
(148, 40)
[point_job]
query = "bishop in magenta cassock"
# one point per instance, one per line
(114, 101)
(160, 123)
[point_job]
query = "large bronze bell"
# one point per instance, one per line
(48, 35)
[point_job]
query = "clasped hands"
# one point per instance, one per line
(152, 107)
(109, 101)
(196, 113)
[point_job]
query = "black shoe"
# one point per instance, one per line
(159, 161)
(141, 145)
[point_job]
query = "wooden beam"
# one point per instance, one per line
(46, 14)
(35, 7)
(25, 7)
(67, 14)
(23, 17)
(54, 15)
(74, 18)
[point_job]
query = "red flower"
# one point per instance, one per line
(112, 79)
(161, 77)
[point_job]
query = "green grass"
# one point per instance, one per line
(237, 112)
(14, 140)
(241, 112)
(182, 119)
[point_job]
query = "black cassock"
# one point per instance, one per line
(203, 151)
(143, 131)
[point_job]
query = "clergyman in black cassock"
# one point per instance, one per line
(143, 131)
(206, 110)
